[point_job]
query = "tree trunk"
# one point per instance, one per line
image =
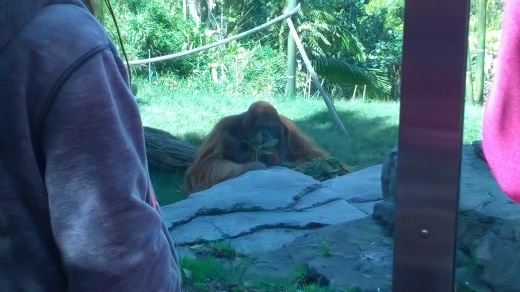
(194, 10)
(167, 152)
(469, 80)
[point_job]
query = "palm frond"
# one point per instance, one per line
(341, 71)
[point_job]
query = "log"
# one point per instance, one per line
(167, 152)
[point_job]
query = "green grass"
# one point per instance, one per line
(200, 269)
(325, 249)
(190, 113)
(207, 273)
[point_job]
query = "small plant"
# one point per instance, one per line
(222, 245)
(223, 249)
(219, 249)
(309, 279)
(325, 250)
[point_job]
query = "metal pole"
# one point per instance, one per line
(430, 144)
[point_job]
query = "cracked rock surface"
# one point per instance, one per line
(276, 205)
(340, 229)
(265, 214)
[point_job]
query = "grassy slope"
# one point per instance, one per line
(189, 115)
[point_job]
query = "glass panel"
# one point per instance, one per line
(309, 220)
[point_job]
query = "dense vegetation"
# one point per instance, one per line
(352, 43)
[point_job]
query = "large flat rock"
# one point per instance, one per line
(360, 186)
(272, 189)
(236, 224)
(258, 211)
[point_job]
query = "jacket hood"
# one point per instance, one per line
(14, 14)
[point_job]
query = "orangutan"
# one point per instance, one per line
(255, 139)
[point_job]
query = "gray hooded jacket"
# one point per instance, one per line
(77, 210)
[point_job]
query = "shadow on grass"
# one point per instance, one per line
(372, 135)
(370, 138)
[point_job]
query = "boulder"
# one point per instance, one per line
(486, 223)
(498, 254)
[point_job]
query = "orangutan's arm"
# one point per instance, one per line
(213, 171)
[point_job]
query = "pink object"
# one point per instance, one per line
(501, 127)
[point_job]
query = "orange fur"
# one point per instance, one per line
(224, 155)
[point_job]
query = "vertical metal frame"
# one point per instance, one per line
(430, 142)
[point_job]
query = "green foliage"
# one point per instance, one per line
(155, 27)
(342, 72)
(325, 249)
(159, 27)
(324, 34)
(493, 24)
(259, 147)
(323, 168)
(238, 69)
(493, 21)
(379, 25)
(223, 249)
(260, 72)
(206, 273)
(222, 245)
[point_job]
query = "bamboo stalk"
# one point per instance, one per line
(478, 97)
(290, 88)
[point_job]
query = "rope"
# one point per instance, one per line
(219, 43)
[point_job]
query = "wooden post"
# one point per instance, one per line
(290, 89)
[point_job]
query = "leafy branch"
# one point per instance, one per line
(260, 148)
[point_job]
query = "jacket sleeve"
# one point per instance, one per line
(110, 236)
(501, 126)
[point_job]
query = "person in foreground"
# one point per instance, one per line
(501, 125)
(77, 209)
